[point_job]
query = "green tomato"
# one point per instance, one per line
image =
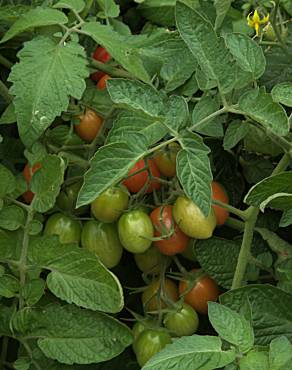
(103, 240)
(191, 219)
(67, 198)
(149, 343)
(150, 261)
(183, 322)
(109, 206)
(135, 230)
(68, 229)
(138, 329)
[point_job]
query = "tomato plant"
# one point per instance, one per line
(103, 240)
(218, 193)
(159, 294)
(182, 321)
(28, 173)
(68, 229)
(137, 178)
(67, 198)
(164, 224)
(199, 293)
(135, 231)
(165, 160)
(109, 206)
(89, 125)
(101, 85)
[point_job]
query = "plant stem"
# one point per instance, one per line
(112, 71)
(23, 256)
(235, 224)
(5, 62)
(212, 115)
(87, 8)
(4, 92)
(231, 209)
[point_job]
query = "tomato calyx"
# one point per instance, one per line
(192, 278)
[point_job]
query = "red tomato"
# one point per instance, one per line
(28, 173)
(165, 159)
(89, 125)
(101, 55)
(164, 223)
(101, 85)
(204, 289)
(136, 182)
(218, 193)
(96, 76)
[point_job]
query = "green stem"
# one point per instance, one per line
(275, 25)
(235, 224)
(87, 8)
(4, 92)
(231, 209)
(4, 352)
(112, 71)
(5, 62)
(23, 256)
(212, 115)
(29, 352)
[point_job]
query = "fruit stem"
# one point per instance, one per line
(112, 71)
(235, 224)
(231, 209)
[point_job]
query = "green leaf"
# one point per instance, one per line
(77, 5)
(110, 9)
(109, 165)
(46, 183)
(199, 352)
(255, 167)
(72, 335)
(35, 18)
(274, 191)
(8, 181)
(209, 50)
(204, 108)
(128, 121)
(255, 360)
(218, 257)
(286, 219)
(76, 275)
(269, 318)
(98, 100)
(22, 363)
(12, 217)
(231, 326)
(8, 245)
(8, 115)
(5, 318)
(259, 106)
(136, 95)
(158, 11)
(32, 291)
(236, 131)
(119, 47)
(248, 54)
(282, 93)
(9, 286)
(43, 82)
(11, 13)
(194, 171)
(222, 8)
(176, 113)
(280, 356)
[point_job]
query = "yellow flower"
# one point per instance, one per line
(255, 21)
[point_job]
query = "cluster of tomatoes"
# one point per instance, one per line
(119, 221)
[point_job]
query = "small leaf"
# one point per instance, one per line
(35, 18)
(282, 93)
(235, 132)
(32, 291)
(110, 9)
(259, 106)
(12, 217)
(197, 351)
(8, 115)
(43, 82)
(9, 286)
(8, 181)
(76, 5)
(255, 360)
(222, 8)
(176, 113)
(280, 356)
(286, 219)
(231, 326)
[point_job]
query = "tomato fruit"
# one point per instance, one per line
(149, 261)
(101, 55)
(67, 198)
(101, 85)
(191, 220)
(218, 193)
(182, 322)
(68, 229)
(204, 289)
(165, 160)
(135, 231)
(103, 240)
(149, 343)
(28, 173)
(139, 327)
(164, 224)
(151, 299)
(109, 206)
(89, 125)
(135, 183)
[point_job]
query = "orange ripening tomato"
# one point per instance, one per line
(165, 159)
(218, 193)
(164, 223)
(101, 85)
(136, 182)
(28, 173)
(96, 76)
(204, 290)
(101, 55)
(89, 126)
